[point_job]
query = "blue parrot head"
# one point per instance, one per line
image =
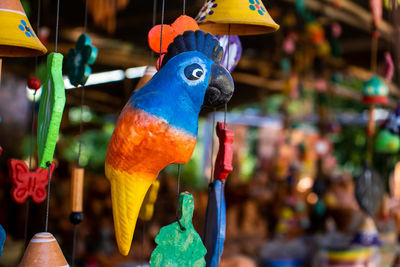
(195, 57)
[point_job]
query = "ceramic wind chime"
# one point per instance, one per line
(138, 151)
(223, 17)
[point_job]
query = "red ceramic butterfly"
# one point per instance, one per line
(28, 184)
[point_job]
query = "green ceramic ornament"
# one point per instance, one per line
(375, 91)
(50, 110)
(79, 60)
(178, 246)
(386, 142)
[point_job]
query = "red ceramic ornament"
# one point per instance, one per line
(28, 184)
(1, 150)
(223, 162)
(34, 84)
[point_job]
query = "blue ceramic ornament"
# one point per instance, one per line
(79, 60)
(2, 239)
(158, 126)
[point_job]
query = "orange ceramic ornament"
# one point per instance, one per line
(169, 32)
(43, 250)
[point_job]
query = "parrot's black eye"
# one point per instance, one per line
(194, 72)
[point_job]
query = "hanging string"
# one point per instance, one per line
(48, 164)
(153, 24)
(227, 67)
(212, 149)
(184, 7)
(211, 172)
(223, 182)
(74, 245)
(75, 231)
(57, 22)
(162, 28)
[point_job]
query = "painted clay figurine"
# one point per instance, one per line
(178, 244)
(158, 126)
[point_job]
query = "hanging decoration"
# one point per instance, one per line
(239, 17)
(387, 143)
(369, 191)
(169, 33)
(17, 38)
(2, 239)
(235, 50)
(76, 216)
(28, 183)
(34, 84)
(393, 122)
(368, 234)
(375, 91)
(79, 59)
(50, 110)
(147, 209)
(138, 151)
(388, 67)
(43, 250)
(104, 12)
(215, 226)
(173, 246)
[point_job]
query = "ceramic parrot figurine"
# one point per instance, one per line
(158, 126)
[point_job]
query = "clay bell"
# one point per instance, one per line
(43, 250)
(17, 38)
(244, 17)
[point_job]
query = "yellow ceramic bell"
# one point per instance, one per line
(245, 17)
(17, 38)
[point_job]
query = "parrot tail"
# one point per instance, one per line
(127, 193)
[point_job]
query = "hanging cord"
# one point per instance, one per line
(177, 198)
(227, 67)
(75, 231)
(48, 164)
(211, 174)
(212, 149)
(153, 24)
(57, 24)
(81, 127)
(32, 148)
(161, 32)
(74, 245)
(223, 182)
(184, 7)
